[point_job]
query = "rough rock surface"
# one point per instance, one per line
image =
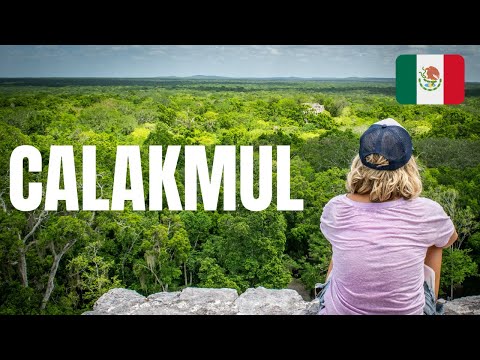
(258, 301)
(201, 301)
(261, 301)
(468, 305)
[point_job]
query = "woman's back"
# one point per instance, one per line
(379, 250)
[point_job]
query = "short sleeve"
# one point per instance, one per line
(442, 225)
(326, 220)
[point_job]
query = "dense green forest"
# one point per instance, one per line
(61, 262)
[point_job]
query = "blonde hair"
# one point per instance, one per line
(384, 185)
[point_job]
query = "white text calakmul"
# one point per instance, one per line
(161, 178)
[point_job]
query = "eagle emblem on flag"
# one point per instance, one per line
(429, 79)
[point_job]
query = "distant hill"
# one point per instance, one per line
(196, 80)
(118, 81)
(206, 77)
(274, 78)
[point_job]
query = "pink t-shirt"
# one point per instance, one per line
(378, 253)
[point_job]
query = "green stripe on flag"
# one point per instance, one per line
(406, 78)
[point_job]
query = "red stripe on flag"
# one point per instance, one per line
(454, 79)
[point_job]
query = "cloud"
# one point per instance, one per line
(273, 51)
(227, 60)
(120, 47)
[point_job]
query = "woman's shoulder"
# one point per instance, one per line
(335, 204)
(419, 203)
(333, 208)
(339, 199)
(426, 202)
(428, 205)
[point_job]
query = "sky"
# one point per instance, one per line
(220, 60)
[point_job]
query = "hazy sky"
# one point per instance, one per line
(228, 60)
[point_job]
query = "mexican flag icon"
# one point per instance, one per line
(430, 79)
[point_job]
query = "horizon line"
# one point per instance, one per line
(193, 76)
(213, 77)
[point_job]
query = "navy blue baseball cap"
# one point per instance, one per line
(389, 139)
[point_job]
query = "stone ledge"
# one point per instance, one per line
(254, 301)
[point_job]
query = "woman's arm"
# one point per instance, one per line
(452, 239)
(434, 260)
(330, 267)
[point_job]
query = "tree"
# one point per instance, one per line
(213, 275)
(92, 272)
(334, 149)
(106, 117)
(165, 249)
(457, 264)
(248, 249)
(199, 225)
(35, 219)
(60, 235)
